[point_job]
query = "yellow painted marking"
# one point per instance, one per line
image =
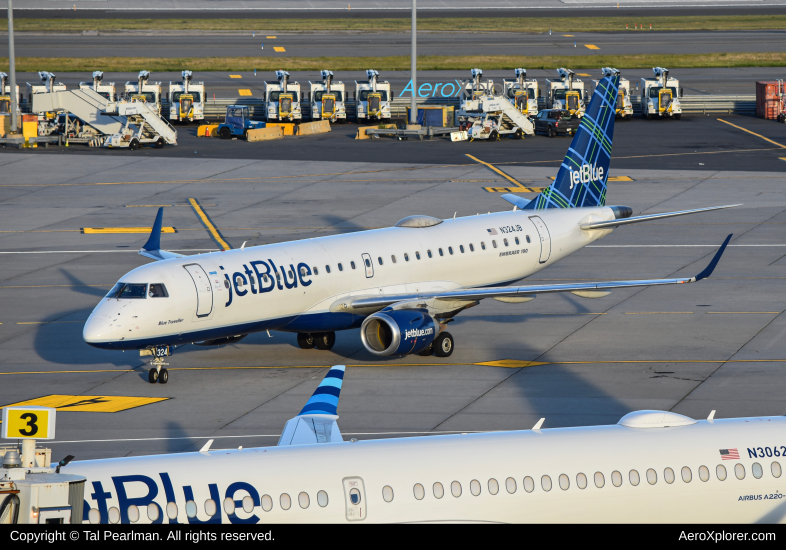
(153, 206)
(214, 233)
(611, 178)
(568, 35)
(781, 158)
(519, 187)
(278, 49)
(273, 37)
(90, 403)
(244, 92)
(514, 189)
(235, 76)
(583, 74)
(511, 364)
(591, 47)
(753, 133)
(45, 322)
(113, 230)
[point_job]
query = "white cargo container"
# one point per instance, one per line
(282, 98)
(372, 98)
(659, 95)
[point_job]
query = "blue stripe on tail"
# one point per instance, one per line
(325, 398)
(581, 180)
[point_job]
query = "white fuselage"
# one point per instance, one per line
(606, 474)
(290, 286)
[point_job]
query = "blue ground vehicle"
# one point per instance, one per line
(237, 122)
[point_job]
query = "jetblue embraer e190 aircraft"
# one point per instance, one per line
(401, 285)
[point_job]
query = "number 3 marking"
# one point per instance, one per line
(31, 422)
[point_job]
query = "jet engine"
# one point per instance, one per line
(398, 332)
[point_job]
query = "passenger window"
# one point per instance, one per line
(429, 253)
(450, 250)
(439, 491)
(316, 271)
(158, 290)
(351, 264)
(652, 476)
(440, 252)
(528, 238)
(114, 515)
(461, 248)
(668, 475)
(581, 481)
(211, 507)
(756, 470)
(419, 491)
(545, 483)
(406, 257)
(704, 473)
(517, 240)
(474, 487)
(340, 267)
(471, 247)
(616, 478)
(776, 469)
(455, 489)
(739, 471)
(191, 509)
(529, 484)
(505, 242)
(322, 499)
(368, 263)
(229, 506)
(133, 513)
(510, 485)
(171, 510)
(493, 486)
(380, 260)
(267, 503)
(285, 501)
(248, 504)
(417, 254)
(720, 472)
(482, 245)
(303, 271)
(387, 493)
(393, 258)
(687, 475)
(634, 477)
(303, 500)
(494, 243)
(327, 269)
(600, 481)
(564, 482)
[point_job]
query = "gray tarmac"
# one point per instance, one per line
(718, 344)
(197, 44)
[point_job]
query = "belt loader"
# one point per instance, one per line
(659, 95)
(142, 91)
(624, 106)
(105, 90)
(187, 99)
(327, 98)
(373, 97)
(567, 93)
(522, 92)
(282, 98)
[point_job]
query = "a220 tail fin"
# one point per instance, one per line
(581, 180)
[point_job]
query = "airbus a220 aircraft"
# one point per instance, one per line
(401, 285)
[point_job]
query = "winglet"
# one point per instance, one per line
(316, 423)
(152, 248)
(710, 268)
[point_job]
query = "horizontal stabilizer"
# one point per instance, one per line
(316, 423)
(650, 217)
(152, 248)
(515, 200)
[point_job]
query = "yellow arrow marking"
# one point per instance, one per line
(110, 230)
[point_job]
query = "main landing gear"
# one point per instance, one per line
(320, 340)
(442, 346)
(158, 373)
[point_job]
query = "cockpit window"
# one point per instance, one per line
(128, 291)
(157, 290)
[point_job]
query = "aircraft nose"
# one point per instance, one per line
(97, 329)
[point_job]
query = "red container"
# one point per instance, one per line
(29, 118)
(767, 100)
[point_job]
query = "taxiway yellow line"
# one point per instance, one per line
(497, 170)
(752, 133)
(214, 233)
(119, 230)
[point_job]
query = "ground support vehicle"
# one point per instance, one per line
(554, 122)
(484, 115)
(372, 98)
(47, 85)
(282, 99)
(237, 122)
(142, 91)
(624, 107)
(523, 93)
(566, 93)
(187, 99)
(106, 90)
(326, 98)
(144, 125)
(5, 94)
(659, 96)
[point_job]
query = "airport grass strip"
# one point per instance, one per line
(396, 63)
(444, 24)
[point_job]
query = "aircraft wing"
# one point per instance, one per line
(316, 423)
(588, 290)
(152, 248)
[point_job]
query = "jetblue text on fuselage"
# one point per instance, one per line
(264, 276)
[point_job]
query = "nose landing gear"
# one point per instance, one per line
(158, 373)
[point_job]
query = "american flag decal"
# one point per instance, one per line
(729, 454)
(492, 231)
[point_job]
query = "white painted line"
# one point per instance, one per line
(675, 245)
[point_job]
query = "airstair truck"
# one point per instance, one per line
(282, 98)
(523, 93)
(624, 106)
(327, 98)
(187, 99)
(373, 97)
(567, 93)
(142, 91)
(106, 90)
(659, 95)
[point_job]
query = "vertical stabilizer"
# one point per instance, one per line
(581, 180)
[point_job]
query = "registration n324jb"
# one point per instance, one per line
(401, 285)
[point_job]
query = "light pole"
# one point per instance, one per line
(12, 65)
(413, 110)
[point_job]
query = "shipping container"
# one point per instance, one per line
(768, 101)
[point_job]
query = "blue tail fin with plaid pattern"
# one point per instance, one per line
(581, 180)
